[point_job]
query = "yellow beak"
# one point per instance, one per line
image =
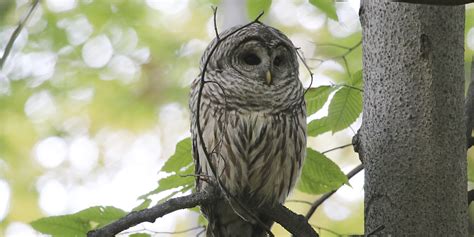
(269, 78)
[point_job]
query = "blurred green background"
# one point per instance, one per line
(93, 99)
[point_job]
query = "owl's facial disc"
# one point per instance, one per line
(267, 62)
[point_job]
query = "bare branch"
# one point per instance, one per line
(336, 148)
(323, 198)
(311, 74)
(351, 87)
(16, 33)
(470, 197)
(292, 222)
(378, 229)
(151, 214)
(437, 2)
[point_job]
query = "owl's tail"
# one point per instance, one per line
(224, 222)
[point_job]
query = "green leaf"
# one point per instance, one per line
(255, 7)
(357, 79)
(65, 226)
(344, 109)
(316, 98)
(318, 127)
(181, 158)
(173, 181)
(320, 174)
(101, 215)
(78, 224)
(179, 164)
(139, 235)
(327, 6)
(143, 205)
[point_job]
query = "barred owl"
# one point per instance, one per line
(253, 123)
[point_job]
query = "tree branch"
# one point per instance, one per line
(470, 197)
(16, 33)
(437, 2)
(151, 214)
(323, 198)
(292, 222)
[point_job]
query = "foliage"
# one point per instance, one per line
(78, 224)
(344, 108)
(316, 98)
(165, 58)
(327, 6)
(320, 174)
(255, 7)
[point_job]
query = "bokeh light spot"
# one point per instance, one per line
(168, 6)
(61, 5)
(40, 106)
(16, 229)
(53, 198)
(97, 51)
(78, 29)
(83, 154)
(470, 39)
(5, 195)
(51, 152)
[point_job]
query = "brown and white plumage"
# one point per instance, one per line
(253, 122)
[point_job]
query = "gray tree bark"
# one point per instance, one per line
(412, 138)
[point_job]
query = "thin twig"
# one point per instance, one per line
(311, 74)
(201, 232)
(323, 198)
(378, 229)
(16, 33)
(214, 9)
(347, 52)
(162, 232)
(351, 87)
(331, 45)
(326, 229)
(180, 231)
(336, 148)
(300, 201)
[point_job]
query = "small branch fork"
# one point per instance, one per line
(344, 59)
(323, 198)
(151, 214)
(16, 33)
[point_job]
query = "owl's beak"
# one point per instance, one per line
(269, 78)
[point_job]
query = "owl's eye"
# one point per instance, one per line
(251, 59)
(278, 61)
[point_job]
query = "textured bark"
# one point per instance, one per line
(413, 131)
(437, 2)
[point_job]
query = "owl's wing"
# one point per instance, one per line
(193, 99)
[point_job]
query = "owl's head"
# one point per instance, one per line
(258, 52)
(255, 68)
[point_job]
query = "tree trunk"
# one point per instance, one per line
(412, 138)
